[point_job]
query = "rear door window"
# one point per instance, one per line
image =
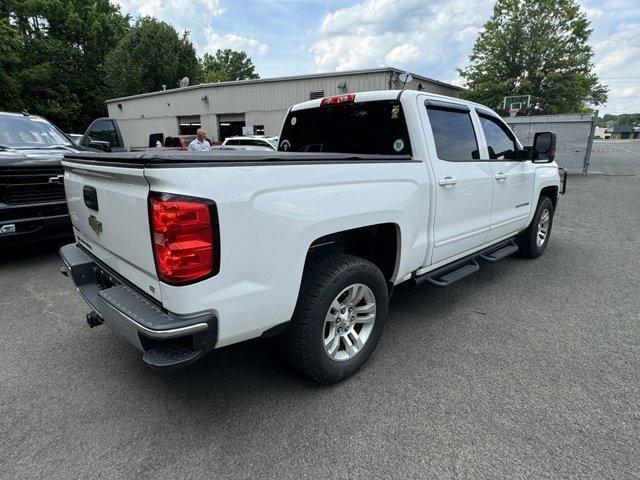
(453, 133)
(376, 127)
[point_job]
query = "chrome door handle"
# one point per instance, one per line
(501, 176)
(447, 182)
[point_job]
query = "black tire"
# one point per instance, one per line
(323, 280)
(527, 240)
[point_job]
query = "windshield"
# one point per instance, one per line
(377, 127)
(29, 132)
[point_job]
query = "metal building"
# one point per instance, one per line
(224, 108)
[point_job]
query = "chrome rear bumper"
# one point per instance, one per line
(134, 317)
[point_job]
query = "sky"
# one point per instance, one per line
(427, 37)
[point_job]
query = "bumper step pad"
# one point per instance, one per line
(170, 356)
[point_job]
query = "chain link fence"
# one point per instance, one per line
(574, 136)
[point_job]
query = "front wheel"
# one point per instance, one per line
(533, 241)
(339, 317)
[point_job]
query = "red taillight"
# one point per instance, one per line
(346, 98)
(184, 235)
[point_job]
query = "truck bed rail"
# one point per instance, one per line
(226, 158)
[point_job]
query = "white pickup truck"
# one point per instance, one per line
(181, 253)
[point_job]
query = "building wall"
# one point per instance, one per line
(625, 135)
(263, 103)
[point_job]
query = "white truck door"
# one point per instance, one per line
(513, 179)
(463, 182)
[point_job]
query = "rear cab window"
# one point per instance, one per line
(373, 127)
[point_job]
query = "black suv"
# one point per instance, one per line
(32, 200)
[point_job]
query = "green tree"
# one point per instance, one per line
(628, 119)
(623, 119)
(54, 53)
(11, 47)
(150, 55)
(537, 48)
(227, 65)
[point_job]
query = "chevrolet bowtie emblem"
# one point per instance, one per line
(95, 224)
(58, 179)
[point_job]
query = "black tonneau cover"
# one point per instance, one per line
(223, 158)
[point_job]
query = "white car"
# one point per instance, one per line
(253, 140)
(183, 253)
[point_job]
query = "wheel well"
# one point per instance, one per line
(552, 193)
(377, 243)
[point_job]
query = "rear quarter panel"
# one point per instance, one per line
(269, 216)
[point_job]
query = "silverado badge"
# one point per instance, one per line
(95, 224)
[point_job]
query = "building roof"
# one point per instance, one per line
(284, 79)
(623, 129)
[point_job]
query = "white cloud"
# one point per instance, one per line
(593, 13)
(404, 53)
(433, 38)
(626, 92)
(411, 34)
(249, 45)
(179, 11)
(195, 16)
(617, 60)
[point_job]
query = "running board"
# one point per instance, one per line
(500, 253)
(462, 268)
(445, 276)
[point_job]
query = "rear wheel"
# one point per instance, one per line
(533, 241)
(339, 317)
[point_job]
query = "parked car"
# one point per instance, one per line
(104, 134)
(177, 142)
(183, 253)
(32, 201)
(253, 140)
(75, 137)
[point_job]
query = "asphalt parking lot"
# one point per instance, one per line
(529, 369)
(615, 157)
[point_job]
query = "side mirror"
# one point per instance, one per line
(544, 147)
(100, 145)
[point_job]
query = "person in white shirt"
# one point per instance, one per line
(200, 144)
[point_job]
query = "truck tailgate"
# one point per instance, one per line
(109, 212)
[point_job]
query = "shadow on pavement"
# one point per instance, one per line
(30, 250)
